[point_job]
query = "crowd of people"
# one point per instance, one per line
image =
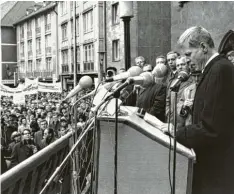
(28, 128)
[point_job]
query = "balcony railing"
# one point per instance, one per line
(29, 54)
(38, 30)
(47, 27)
(65, 68)
(35, 74)
(88, 66)
(29, 33)
(48, 51)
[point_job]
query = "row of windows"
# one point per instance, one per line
(30, 67)
(47, 18)
(38, 44)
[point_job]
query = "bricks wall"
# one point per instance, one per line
(216, 17)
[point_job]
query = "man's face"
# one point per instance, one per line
(140, 62)
(182, 65)
(171, 60)
(24, 121)
(63, 123)
(160, 61)
(43, 125)
(195, 55)
(55, 118)
(26, 135)
(230, 57)
(39, 121)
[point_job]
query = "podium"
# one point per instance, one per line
(143, 158)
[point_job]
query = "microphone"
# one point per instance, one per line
(85, 82)
(132, 71)
(145, 79)
(182, 77)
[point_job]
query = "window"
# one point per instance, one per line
(88, 21)
(78, 54)
(38, 22)
(29, 45)
(65, 57)
(48, 41)
(63, 7)
(115, 50)
(77, 26)
(48, 64)
(115, 13)
(38, 45)
(71, 5)
(29, 26)
(72, 28)
(21, 31)
(22, 48)
(22, 66)
(30, 67)
(88, 57)
(47, 22)
(38, 65)
(64, 31)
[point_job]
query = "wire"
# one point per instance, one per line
(170, 146)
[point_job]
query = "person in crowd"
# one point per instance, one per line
(140, 61)
(55, 125)
(211, 133)
(15, 137)
(38, 136)
(181, 65)
(230, 56)
(24, 125)
(152, 98)
(186, 101)
(49, 137)
(160, 60)
(9, 127)
(24, 149)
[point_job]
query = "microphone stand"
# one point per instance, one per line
(175, 90)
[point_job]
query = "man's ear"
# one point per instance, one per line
(204, 47)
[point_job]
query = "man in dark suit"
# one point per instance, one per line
(211, 133)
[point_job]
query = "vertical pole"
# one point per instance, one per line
(127, 48)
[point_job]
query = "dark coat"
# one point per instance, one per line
(21, 151)
(212, 132)
(152, 100)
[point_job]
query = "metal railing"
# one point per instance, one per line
(35, 74)
(30, 176)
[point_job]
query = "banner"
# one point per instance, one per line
(50, 87)
(19, 98)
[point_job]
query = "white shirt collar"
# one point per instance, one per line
(209, 60)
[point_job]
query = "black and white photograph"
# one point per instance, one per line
(117, 97)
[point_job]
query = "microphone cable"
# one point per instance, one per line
(170, 146)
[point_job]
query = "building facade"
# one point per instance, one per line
(89, 38)
(37, 34)
(10, 12)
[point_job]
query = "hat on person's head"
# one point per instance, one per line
(110, 71)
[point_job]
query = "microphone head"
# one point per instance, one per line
(148, 79)
(85, 82)
(183, 75)
(134, 71)
(160, 71)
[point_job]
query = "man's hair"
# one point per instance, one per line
(194, 36)
(174, 53)
(140, 57)
(160, 56)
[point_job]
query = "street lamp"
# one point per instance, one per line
(101, 65)
(126, 13)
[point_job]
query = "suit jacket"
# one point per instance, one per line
(152, 100)
(212, 132)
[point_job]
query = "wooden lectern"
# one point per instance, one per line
(143, 158)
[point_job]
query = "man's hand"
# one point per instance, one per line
(167, 128)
